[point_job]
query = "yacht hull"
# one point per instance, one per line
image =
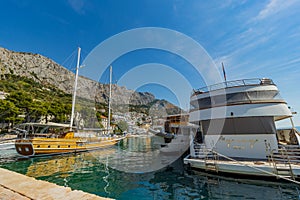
(245, 168)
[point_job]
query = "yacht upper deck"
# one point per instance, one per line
(231, 84)
(240, 98)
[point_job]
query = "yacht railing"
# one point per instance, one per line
(235, 83)
(287, 153)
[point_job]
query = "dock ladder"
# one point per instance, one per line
(211, 161)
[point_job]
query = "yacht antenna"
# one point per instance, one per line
(75, 88)
(224, 73)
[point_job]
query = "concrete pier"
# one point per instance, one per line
(18, 186)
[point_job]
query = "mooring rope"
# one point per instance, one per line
(267, 172)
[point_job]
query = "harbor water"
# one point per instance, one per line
(103, 173)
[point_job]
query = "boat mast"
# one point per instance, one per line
(75, 88)
(109, 99)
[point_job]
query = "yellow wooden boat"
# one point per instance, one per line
(43, 139)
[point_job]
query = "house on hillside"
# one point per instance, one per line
(3, 95)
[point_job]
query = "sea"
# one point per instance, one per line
(126, 171)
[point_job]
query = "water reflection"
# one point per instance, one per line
(140, 155)
(96, 172)
(66, 164)
(216, 187)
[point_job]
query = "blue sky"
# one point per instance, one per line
(253, 39)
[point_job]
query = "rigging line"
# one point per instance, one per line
(270, 173)
(72, 55)
(84, 54)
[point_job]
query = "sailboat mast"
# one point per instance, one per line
(75, 89)
(109, 99)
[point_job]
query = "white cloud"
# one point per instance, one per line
(274, 7)
(77, 6)
(231, 3)
(250, 38)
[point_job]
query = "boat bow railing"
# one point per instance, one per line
(235, 83)
(287, 154)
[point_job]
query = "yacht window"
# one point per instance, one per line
(243, 125)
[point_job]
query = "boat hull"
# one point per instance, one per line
(244, 168)
(24, 148)
(48, 146)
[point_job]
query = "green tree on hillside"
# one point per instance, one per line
(23, 101)
(9, 113)
(34, 100)
(39, 109)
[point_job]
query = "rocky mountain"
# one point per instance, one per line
(47, 72)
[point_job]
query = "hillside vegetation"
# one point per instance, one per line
(29, 101)
(35, 88)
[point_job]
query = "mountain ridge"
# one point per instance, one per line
(46, 71)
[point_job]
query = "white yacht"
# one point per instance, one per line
(237, 132)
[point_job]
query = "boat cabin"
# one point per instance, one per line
(49, 130)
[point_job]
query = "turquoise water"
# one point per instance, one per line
(98, 172)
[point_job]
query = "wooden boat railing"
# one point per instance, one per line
(287, 153)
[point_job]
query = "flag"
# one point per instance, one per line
(224, 73)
